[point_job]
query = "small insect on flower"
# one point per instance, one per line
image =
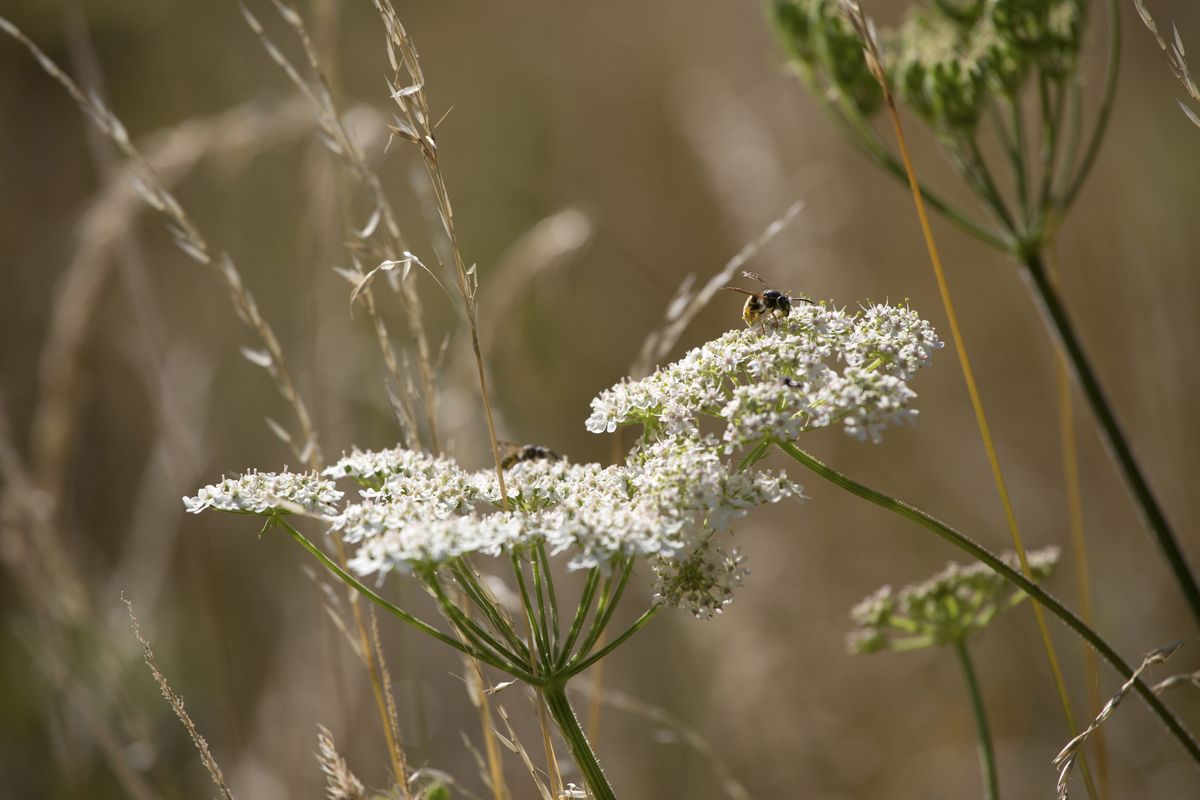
(769, 303)
(516, 453)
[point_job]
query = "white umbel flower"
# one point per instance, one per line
(819, 367)
(269, 492)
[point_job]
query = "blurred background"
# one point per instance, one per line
(596, 155)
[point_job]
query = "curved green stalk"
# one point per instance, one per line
(987, 754)
(982, 554)
(1055, 316)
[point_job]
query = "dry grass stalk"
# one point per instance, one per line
(1064, 762)
(415, 125)
(384, 696)
(176, 702)
(189, 239)
(340, 782)
(479, 695)
(389, 248)
(514, 744)
(1176, 58)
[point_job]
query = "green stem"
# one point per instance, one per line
(579, 666)
(568, 725)
(1055, 316)
(499, 655)
(534, 631)
(982, 554)
(987, 755)
(464, 575)
(355, 584)
(540, 556)
(585, 603)
(1110, 91)
(865, 138)
(606, 607)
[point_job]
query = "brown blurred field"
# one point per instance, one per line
(674, 136)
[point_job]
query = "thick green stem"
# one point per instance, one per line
(987, 755)
(568, 725)
(1055, 316)
(1040, 595)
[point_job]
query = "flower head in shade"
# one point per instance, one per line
(946, 609)
(820, 366)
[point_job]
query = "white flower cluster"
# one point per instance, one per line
(414, 512)
(664, 502)
(818, 367)
(269, 492)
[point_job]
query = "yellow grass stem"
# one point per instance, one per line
(874, 63)
(1070, 457)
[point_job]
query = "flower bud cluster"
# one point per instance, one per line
(950, 57)
(820, 366)
(946, 609)
(947, 59)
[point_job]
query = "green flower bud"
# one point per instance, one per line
(824, 42)
(1049, 31)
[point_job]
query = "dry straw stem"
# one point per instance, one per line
(384, 697)
(514, 744)
(1176, 57)
(340, 782)
(389, 247)
(415, 124)
(176, 702)
(866, 31)
(686, 304)
(189, 239)
(1070, 456)
(187, 236)
(480, 698)
(1064, 762)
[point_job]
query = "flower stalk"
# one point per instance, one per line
(1014, 576)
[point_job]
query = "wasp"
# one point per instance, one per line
(516, 453)
(769, 303)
